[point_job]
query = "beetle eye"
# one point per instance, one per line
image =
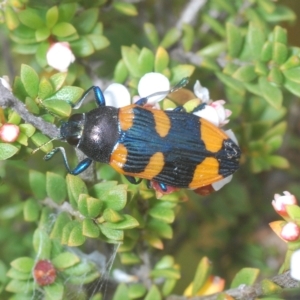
(73, 140)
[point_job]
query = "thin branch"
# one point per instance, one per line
(190, 12)
(247, 292)
(7, 99)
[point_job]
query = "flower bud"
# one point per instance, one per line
(9, 133)
(290, 232)
(280, 202)
(44, 272)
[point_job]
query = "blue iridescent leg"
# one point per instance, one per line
(99, 97)
(163, 186)
(82, 166)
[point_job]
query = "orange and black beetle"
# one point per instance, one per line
(172, 148)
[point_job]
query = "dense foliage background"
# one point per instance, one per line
(102, 237)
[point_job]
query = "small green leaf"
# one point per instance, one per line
(41, 54)
(121, 293)
(169, 273)
(275, 76)
(7, 151)
(68, 94)
(280, 53)
(168, 286)
(245, 73)
(202, 273)
(21, 287)
(129, 258)
(45, 89)
(212, 50)
(15, 274)
(31, 210)
(54, 291)
(181, 71)
(293, 212)
(232, 83)
(56, 187)
(235, 39)
(163, 214)
(87, 20)
(63, 29)
(166, 261)
(136, 291)
(125, 8)
(112, 234)
(161, 60)
(76, 237)
(255, 40)
(27, 129)
(188, 37)
(30, 18)
(37, 181)
(292, 86)
(112, 216)
(98, 41)
(42, 34)
(51, 16)
(151, 33)
(292, 74)
(116, 198)
(246, 276)
(42, 244)
(267, 50)
(146, 61)
(75, 187)
(61, 221)
(171, 37)
(66, 11)
(89, 207)
(11, 18)
(278, 161)
(57, 80)
(153, 294)
(271, 93)
(161, 228)
(282, 13)
(261, 68)
(58, 107)
(120, 72)
(269, 287)
(130, 57)
(23, 264)
(30, 80)
(280, 35)
(292, 62)
(127, 222)
(215, 25)
(90, 229)
(65, 260)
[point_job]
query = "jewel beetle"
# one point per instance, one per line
(173, 148)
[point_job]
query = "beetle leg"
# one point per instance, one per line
(199, 107)
(179, 109)
(163, 186)
(99, 97)
(82, 166)
(133, 180)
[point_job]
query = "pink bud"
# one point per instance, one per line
(290, 232)
(44, 272)
(9, 132)
(280, 202)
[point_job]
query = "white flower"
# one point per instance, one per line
(215, 113)
(295, 265)
(280, 202)
(152, 83)
(59, 56)
(121, 276)
(201, 92)
(117, 95)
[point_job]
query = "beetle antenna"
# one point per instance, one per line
(48, 142)
(182, 83)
